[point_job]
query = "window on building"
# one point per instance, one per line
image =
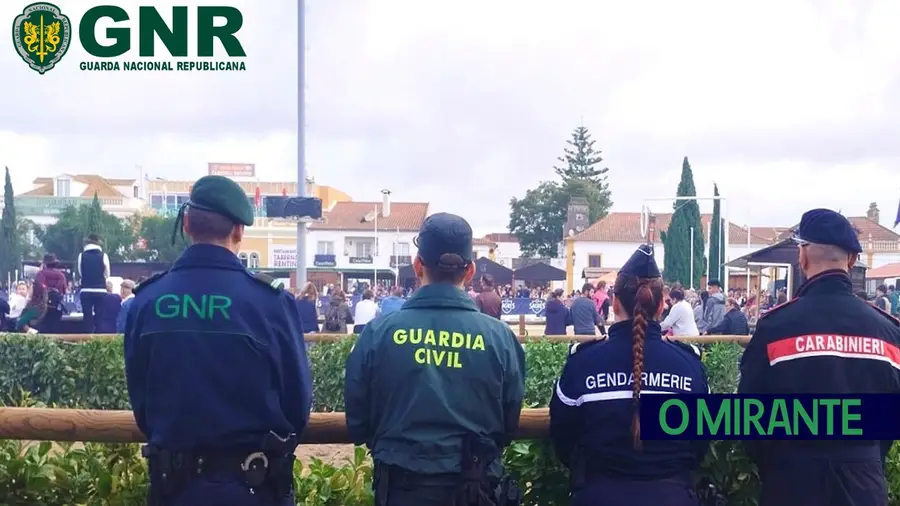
(137, 192)
(171, 201)
(401, 249)
(181, 199)
(156, 201)
(63, 187)
(595, 260)
(254, 261)
(243, 258)
(364, 249)
(325, 248)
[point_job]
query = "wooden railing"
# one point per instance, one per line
(103, 426)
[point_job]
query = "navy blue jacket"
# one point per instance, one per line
(591, 408)
(309, 316)
(557, 315)
(733, 324)
(112, 305)
(214, 356)
(422, 378)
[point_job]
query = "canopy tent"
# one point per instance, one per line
(540, 272)
(502, 275)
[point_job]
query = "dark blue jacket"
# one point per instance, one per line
(120, 319)
(733, 324)
(112, 305)
(591, 408)
(420, 379)
(557, 315)
(309, 316)
(214, 355)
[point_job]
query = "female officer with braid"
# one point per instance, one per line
(594, 422)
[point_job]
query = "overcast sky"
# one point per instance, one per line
(464, 104)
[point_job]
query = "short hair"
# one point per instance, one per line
(368, 294)
(205, 226)
(733, 302)
(128, 284)
(92, 239)
(677, 293)
(487, 279)
(714, 282)
(587, 287)
(397, 291)
(451, 269)
(881, 288)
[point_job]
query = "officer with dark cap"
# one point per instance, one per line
(824, 341)
(435, 389)
(216, 366)
(594, 423)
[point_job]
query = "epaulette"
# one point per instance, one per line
(779, 306)
(152, 279)
(581, 345)
(688, 347)
(267, 280)
(887, 315)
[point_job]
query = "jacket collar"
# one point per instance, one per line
(827, 281)
(91, 247)
(623, 330)
(208, 255)
(440, 296)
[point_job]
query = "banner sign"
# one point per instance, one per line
(232, 169)
(283, 257)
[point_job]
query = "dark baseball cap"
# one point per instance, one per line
(824, 226)
(442, 234)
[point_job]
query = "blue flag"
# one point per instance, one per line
(897, 219)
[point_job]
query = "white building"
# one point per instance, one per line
(50, 195)
(355, 241)
(607, 244)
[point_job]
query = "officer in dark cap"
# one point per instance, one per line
(435, 389)
(216, 366)
(824, 341)
(594, 423)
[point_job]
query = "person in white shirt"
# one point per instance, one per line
(17, 300)
(681, 316)
(366, 310)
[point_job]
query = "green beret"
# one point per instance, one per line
(220, 195)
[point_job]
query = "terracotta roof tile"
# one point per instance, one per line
(93, 183)
(484, 242)
(885, 271)
(626, 227)
(501, 237)
(408, 216)
(45, 190)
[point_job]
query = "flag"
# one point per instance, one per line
(897, 219)
(284, 192)
(257, 198)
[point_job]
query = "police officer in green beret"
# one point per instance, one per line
(216, 365)
(435, 389)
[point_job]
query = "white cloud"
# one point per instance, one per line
(787, 105)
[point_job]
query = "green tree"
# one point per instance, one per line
(537, 219)
(716, 238)
(10, 248)
(677, 238)
(94, 217)
(30, 247)
(65, 238)
(155, 240)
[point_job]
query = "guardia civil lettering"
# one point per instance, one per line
(440, 348)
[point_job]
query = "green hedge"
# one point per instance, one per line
(37, 371)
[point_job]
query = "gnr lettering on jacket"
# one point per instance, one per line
(438, 347)
(648, 380)
(187, 307)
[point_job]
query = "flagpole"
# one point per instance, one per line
(375, 253)
(301, 137)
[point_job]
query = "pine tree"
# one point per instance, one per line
(10, 248)
(94, 217)
(677, 239)
(716, 238)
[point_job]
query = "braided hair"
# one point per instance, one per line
(641, 299)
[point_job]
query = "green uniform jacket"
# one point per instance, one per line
(420, 379)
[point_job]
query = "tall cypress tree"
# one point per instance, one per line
(677, 238)
(94, 217)
(716, 238)
(10, 248)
